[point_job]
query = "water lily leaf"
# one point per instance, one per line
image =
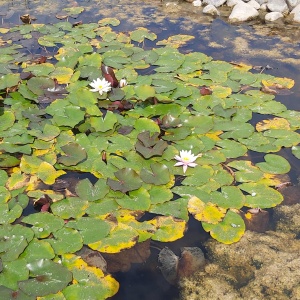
(128, 180)
(65, 114)
(205, 212)
(73, 154)
(70, 207)
(13, 294)
(169, 229)
(66, 240)
(120, 238)
(232, 149)
(7, 161)
(283, 137)
(62, 75)
(49, 132)
(176, 40)
(199, 124)
(144, 91)
(47, 173)
(109, 21)
(275, 123)
(158, 175)
(260, 195)
(14, 239)
(56, 296)
(176, 208)
(40, 69)
(9, 215)
(163, 86)
(97, 286)
(246, 171)
(38, 85)
(279, 82)
(43, 223)
(230, 197)
(140, 34)
(102, 207)
(92, 230)
(268, 107)
(9, 80)
(229, 231)
(7, 119)
(50, 277)
(37, 249)
(274, 164)
(86, 190)
(138, 200)
(75, 10)
(13, 271)
(104, 124)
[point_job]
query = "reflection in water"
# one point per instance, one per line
(257, 45)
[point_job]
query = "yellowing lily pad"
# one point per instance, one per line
(47, 173)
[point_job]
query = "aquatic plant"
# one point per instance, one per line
(125, 139)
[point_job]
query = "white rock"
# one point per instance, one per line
(292, 3)
(278, 5)
(243, 12)
(197, 3)
(254, 4)
(231, 3)
(273, 16)
(215, 3)
(296, 13)
(211, 10)
(261, 1)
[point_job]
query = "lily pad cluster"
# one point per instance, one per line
(125, 142)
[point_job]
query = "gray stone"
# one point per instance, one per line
(278, 5)
(296, 13)
(215, 3)
(211, 10)
(273, 16)
(243, 12)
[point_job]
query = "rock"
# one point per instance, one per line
(215, 3)
(259, 266)
(273, 16)
(211, 10)
(254, 4)
(287, 218)
(296, 13)
(260, 2)
(292, 3)
(243, 12)
(197, 3)
(231, 3)
(278, 5)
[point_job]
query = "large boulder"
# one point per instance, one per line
(243, 12)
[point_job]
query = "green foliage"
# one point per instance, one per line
(125, 140)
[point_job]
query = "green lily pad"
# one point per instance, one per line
(49, 277)
(86, 190)
(144, 91)
(229, 231)
(128, 180)
(260, 195)
(158, 175)
(274, 164)
(9, 80)
(73, 154)
(12, 294)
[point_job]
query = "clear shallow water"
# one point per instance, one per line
(255, 44)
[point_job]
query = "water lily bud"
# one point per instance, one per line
(123, 82)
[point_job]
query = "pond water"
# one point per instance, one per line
(275, 48)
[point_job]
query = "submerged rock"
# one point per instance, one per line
(260, 266)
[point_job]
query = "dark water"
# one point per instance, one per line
(255, 44)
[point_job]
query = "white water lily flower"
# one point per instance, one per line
(123, 82)
(100, 85)
(186, 159)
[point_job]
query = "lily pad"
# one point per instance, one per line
(274, 164)
(73, 154)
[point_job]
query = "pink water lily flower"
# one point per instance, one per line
(100, 85)
(186, 159)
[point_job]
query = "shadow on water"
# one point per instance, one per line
(257, 45)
